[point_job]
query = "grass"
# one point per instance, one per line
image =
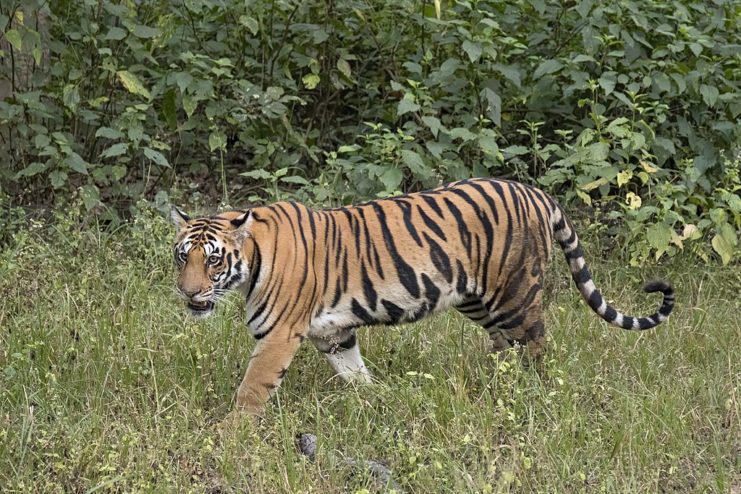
(106, 385)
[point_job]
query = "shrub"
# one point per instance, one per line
(629, 106)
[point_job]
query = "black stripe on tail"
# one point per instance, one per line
(565, 234)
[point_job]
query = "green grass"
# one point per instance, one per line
(106, 385)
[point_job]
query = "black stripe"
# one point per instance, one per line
(574, 254)
(610, 314)
(350, 342)
(628, 322)
(508, 234)
(406, 273)
(337, 293)
(370, 292)
(433, 205)
(595, 299)
(361, 313)
(406, 211)
(463, 231)
(646, 323)
(345, 272)
(513, 323)
(394, 312)
(439, 258)
(488, 230)
(432, 292)
(488, 199)
(462, 283)
(431, 224)
(582, 276)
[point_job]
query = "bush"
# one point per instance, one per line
(630, 106)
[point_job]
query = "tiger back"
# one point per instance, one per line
(480, 246)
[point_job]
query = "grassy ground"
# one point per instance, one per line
(106, 385)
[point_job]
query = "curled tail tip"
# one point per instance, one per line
(658, 286)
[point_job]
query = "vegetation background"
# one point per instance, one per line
(110, 111)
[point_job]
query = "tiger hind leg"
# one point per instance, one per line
(519, 319)
(343, 354)
(473, 308)
(525, 329)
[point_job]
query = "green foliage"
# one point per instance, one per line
(331, 102)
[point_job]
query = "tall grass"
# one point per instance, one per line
(106, 385)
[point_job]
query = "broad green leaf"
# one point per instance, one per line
(723, 245)
(658, 237)
(510, 151)
(344, 67)
(594, 184)
(71, 96)
(157, 157)
(41, 141)
(183, 80)
(37, 54)
(391, 178)
(311, 81)
(115, 150)
(709, 94)
(547, 67)
(494, 106)
(433, 123)
(489, 145)
(14, 38)
(31, 170)
(250, 23)
(115, 34)
(618, 127)
(217, 140)
(58, 178)
(259, 174)
(141, 31)
(691, 232)
(665, 144)
(583, 196)
(607, 82)
(132, 83)
(189, 104)
(348, 149)
(462, 133)
(406, 105)
(76, 163)
(415, 163)
(510, 72)
(473, 50)
(90, 196)
(598, 151)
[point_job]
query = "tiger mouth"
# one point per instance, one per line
(201, 307)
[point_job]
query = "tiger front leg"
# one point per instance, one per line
(267, 367)
(343, 354)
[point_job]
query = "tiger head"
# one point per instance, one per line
(210, 257)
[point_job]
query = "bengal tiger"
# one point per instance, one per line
(478, 245)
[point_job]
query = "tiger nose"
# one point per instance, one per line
(190, 292)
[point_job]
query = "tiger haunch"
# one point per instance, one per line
(479, 245)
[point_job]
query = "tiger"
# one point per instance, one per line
(477, 245)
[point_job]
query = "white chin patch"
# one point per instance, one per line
(201, 311)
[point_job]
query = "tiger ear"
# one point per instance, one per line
(179, 219)
(241, 226)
